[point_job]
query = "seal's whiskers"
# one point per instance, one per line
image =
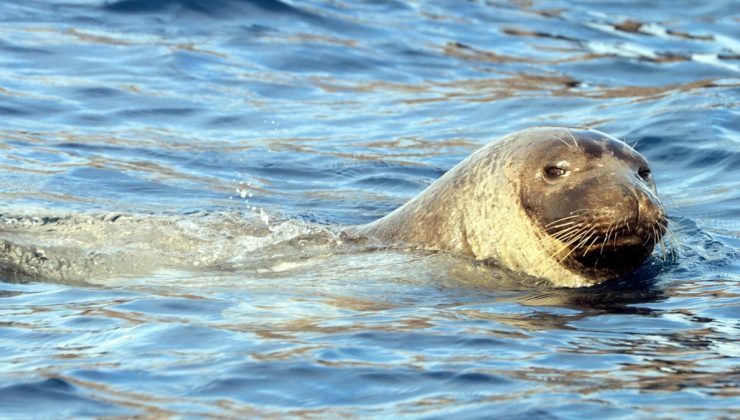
(561, 140)
(563, 239)
(582, 237)
(562, 235)
(606, 237)
(573, 214)
(574, 139)
(590, 245)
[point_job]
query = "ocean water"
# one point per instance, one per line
(241, 134)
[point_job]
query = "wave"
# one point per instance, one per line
(213, 8)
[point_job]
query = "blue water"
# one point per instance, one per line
(333, 113)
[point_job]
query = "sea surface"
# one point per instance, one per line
(302, 117)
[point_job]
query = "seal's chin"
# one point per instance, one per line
(616, 258)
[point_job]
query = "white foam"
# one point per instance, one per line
(714, 60)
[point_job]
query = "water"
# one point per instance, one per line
(206, 117)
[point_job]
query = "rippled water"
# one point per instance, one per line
(207, 119)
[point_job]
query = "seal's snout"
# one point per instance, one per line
(614, 233)
(622, 229)
(651, 222)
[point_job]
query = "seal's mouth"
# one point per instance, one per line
(613, 253)
(617, 257)
(629, 240)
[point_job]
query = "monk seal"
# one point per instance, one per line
(573, 206)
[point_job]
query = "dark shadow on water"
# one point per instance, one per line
(8, 293)
(51, 398)
(209, 7)
(619, 295)
(265, 13)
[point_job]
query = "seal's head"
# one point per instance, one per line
(594, 198)
(573, 206)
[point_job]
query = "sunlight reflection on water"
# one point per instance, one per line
(195, 116)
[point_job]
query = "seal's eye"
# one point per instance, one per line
(554, 171)
(644, 172)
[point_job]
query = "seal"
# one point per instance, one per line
(573, 206)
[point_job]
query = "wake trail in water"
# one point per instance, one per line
(88, 248)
